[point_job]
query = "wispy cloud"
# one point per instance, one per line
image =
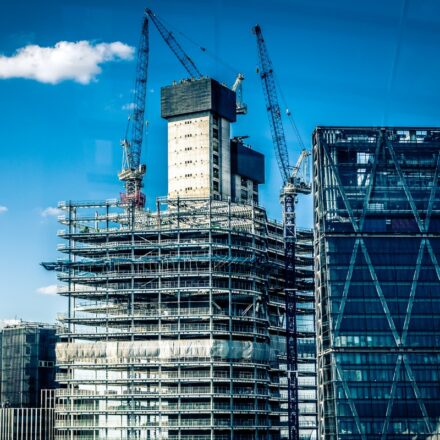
(129, 106)
(51, 212)
(77, 61)
(48, 290)
(3, 209)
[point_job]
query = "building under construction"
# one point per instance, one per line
(175, 327)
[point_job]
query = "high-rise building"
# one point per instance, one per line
(377, 253)
(27, 363)
(27, 381)
(203, 161)
(175, 327)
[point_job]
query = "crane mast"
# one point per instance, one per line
(293, 184)
(132, 170)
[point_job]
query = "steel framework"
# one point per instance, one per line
(175, 327)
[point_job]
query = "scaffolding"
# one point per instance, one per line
(175, 327)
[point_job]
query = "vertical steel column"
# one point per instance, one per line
(211, 317)
(230, 323)
(132, 418)
(179, 315)
(107, 306)
(290, 299)
(159, 306)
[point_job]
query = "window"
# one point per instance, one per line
(363, 158)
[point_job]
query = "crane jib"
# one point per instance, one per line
(174, 45)
(132, 171)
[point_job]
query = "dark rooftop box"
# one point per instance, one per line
(247, 162)
(194, 96)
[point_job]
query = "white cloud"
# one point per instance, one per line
(77, 61)
(51, 212)
(3, 209)
(48, 290)
(129, 106)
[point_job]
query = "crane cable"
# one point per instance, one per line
(289, 114)
(202, 48)
(232, 69)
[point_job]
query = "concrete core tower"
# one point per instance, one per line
(202, 159)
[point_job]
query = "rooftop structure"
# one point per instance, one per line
(377, 253)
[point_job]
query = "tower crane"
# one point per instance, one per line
(132, 170)
(189, 64)
(174, 45)
(295, 181)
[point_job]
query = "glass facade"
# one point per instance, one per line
(27, 363)
(377, 253)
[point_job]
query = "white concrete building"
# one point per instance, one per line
(199, 114)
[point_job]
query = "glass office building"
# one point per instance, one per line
(377, 253)
(27, 363)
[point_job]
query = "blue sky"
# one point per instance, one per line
(345, 62)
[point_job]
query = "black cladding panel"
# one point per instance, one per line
(247, 162)
(195, 96)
